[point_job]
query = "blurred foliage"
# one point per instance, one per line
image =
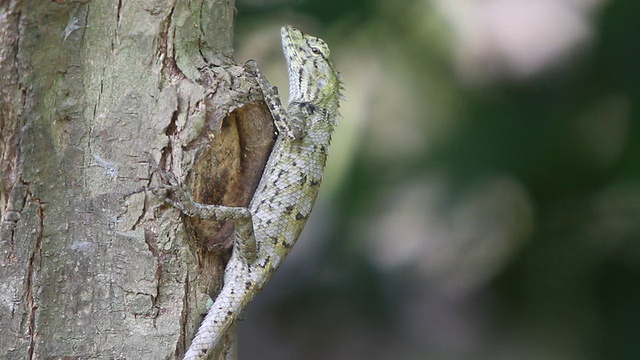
(327, 12)
(565, 143)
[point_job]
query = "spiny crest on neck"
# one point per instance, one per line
(312, 76)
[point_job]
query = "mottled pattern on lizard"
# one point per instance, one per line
(270, 226)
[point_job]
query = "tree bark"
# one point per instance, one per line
(91, 267)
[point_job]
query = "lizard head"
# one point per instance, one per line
(312, 76)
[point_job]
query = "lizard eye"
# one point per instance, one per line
(315, 50)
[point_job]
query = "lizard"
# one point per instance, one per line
(268, 228)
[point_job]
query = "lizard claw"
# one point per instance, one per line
(183, 201)
(170, 185)
(251, 66)
(166, 176)
(180, 199)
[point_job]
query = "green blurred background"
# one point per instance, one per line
(482, 199)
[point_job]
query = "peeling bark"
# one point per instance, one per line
(89, 267)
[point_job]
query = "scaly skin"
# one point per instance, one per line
(270, 226)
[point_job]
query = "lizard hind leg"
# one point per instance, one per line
(233, 297)
(184, 201)
(245, 242)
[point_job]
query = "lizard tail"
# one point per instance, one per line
(218, 320)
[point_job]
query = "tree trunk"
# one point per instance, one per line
(90, 91)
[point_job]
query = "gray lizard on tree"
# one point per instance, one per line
(268, 228)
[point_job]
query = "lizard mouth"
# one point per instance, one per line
(291, 40)
(290, 32)
(290, 37)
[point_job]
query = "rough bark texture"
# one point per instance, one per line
(89, 268)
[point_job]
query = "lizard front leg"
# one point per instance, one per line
(285, 124)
